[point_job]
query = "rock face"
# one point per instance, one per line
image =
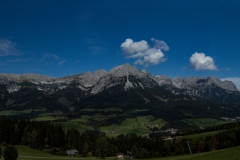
(163, 80)
(191, 82)
(125, 76)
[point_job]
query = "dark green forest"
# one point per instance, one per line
(51, 137)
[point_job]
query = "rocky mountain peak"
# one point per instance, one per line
(123, 70)
(100, 72)
(229, 85)
(19, 78)
(190, 82)
(177, 82)
(145, 71)
(163, 80)
(126, 75)
(88, 79)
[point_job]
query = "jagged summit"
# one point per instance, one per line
(145, 71)
(6, 78)
(123, 70)
(203, 81)
(177, 82)
(125, 75)
(163, 80)
(88, 79)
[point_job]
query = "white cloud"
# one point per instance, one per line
(59, 60)
(8, 48)
(153, 56)
(129, 47)
(235, 80)
(144, 54)
(160, 44)
(199, 61)
(139, 62)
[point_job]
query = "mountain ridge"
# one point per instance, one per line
(72, 90)
(90, 79)
(123, 88)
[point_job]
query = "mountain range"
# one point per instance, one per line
(123, 87)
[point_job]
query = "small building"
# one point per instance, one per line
(120, 155)
(167, 138)
(72, 152)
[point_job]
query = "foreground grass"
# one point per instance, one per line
(226, 154)
(26, 153)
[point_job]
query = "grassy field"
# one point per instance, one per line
(79, 127)
(14, 112)
(136, 125)
(49, 118)
(76, 123)
(102, 110)
(226, 154)
(26, 153)
(205, 122)
(130, 125)
(83, 119)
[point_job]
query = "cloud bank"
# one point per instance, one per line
(8, 48)
(143, 53)
(199, 61)
(235, 80)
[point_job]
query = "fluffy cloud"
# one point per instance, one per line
(129, 47)
(143, 53)
(235, 80)
(59, 60)
(8, 48)
(199, 61)
(160, 44)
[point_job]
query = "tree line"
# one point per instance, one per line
(51, 137)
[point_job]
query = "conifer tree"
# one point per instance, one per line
(0, 152)
(102, 144)
(84, 148)
(10, 153)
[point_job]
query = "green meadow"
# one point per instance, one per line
(14, 112)
(49, 118)
(138, 125)
(26, 153)
(205, 122)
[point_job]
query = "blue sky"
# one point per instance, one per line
(171, 37)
